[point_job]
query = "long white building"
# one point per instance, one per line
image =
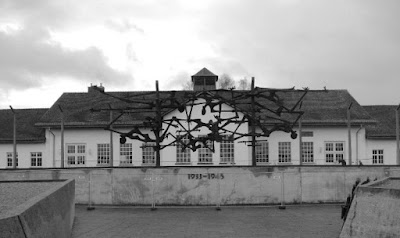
(73, 131)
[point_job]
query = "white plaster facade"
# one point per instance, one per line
(388, 148)
(90, 137)
(24, 155)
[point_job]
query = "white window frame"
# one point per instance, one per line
(227, 150)
(103, 154)
(148, 154)
(36, 159)
(205, 154)
(125, 154)
(307, 152)
(77, 156)
(334, 152)
(10, 159)
(183, 157)
(377, 156)
(284, 152)
(262, 152)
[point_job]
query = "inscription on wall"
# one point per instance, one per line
(206, 176)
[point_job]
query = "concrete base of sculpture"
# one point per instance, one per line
(375, 210)
(50, 213)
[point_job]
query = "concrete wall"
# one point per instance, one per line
(50, 214)
(375, 212)
(209, 185)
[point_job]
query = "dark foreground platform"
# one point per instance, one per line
(295, 221)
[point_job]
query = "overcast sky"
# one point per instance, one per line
(48, 47)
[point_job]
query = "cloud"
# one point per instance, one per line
(178, 81)
(29, 55)
(130, 53)
(123, 25)
(344, 44)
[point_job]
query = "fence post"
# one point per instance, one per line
(282, 206)
(153, 202)
(153, 179)
(218, 208)
(90, 207)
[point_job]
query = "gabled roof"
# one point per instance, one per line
(322, 108)
(78, 107)
(26, 131)
(385, 115)
(204, 72)
(329, 108)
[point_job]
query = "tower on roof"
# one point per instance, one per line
(204, 80)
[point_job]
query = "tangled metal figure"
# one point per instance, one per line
(261, 108)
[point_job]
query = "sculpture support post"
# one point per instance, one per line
(349, 131)
(158, 126)
(62, 136)
(397, 136)
(111, 141)
(253, 126)
(300, 143)
(14, 158)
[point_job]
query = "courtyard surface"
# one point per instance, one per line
(295, 221)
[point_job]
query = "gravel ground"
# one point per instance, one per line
(313, 221)
(13, 194)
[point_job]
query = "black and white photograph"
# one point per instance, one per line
(224, 118)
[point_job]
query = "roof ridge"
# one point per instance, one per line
(380, 105)
(25, 109)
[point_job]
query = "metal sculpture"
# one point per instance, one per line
(255, 107)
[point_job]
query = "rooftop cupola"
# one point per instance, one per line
(204, 80)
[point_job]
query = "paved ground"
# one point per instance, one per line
(296, 221)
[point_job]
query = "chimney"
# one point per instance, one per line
(95, 88)
(204, 80)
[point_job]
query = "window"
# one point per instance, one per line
(284, 155)
(182, 155)
(377, 156)
(36, 159)
(205, 152)
(307, 134)
(125, 153)
(76, 154)
(227, 150)
(262, 154)
(10, 159)
(103, 154)
(307, 155)
(334, 151)
(148, 154)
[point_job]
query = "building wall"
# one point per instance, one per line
(24, 154)
(321, 135)
(51, 150)
(388, 147)
(90, 138)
